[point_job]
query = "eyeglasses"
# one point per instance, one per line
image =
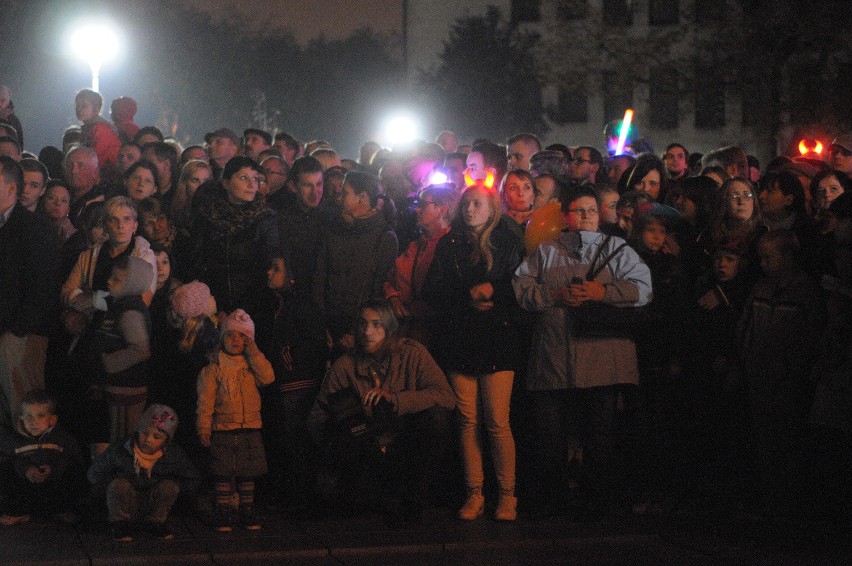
(584, 211)
(838, 150)
(580, 160)
(740, 196)
(423, 203)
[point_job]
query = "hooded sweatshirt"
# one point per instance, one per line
(123, 337)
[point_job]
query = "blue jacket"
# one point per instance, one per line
(117, 462)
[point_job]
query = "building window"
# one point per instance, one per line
(663, 12)
(754, 91)
(709, 98)
(663, 97)
(571, 9)
(807, 90)
(572, 106)
(618, 12)
(526, 11)
(618, 95)
(711, 11)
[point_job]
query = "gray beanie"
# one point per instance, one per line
(161, 417)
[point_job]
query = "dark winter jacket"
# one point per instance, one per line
(55, 448)
(467, 340)
(354, 259)
(29, 261)
(232, 246)
(117, 462)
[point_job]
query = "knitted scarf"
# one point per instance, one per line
(142, 461)
(226, 219)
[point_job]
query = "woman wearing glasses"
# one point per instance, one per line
(577, 373)
(235, 234)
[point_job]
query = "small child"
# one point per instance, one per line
(290, 331)
(123, 342)
(721, 299)
(144, 476)
(229, 420)
(97, 133)
(41, 466)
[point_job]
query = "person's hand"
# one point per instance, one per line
(347, 341)
(374, 395)
(83, 301)
(670, 246)
(482, 292)
(399, 310)
(147, 297)
(586, 291)
(37, 474)
(480, 297)
(204, 438)
(251, 350)
(709, 300)
(66, 228)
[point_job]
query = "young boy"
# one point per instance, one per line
(144, 476)
(98, 133)
(41, 466)
(123, 342)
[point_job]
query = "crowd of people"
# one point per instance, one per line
(258, 319)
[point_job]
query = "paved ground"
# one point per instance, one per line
(440, 540)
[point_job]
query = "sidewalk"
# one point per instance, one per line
(440, 540)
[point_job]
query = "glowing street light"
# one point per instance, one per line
(401, 130)
(95, 43)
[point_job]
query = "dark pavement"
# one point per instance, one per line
(441, 539)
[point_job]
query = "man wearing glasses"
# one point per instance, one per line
(586, 164)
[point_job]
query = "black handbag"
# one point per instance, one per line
(594, 319)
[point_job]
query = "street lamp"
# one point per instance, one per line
(401, 130)
(95, 43)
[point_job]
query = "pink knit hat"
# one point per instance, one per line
(192, 300)
(240, 321)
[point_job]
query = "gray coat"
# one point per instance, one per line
(558, 359)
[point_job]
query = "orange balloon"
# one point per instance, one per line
(545, 224)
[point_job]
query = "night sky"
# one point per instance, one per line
(308, 19)
(36, 63)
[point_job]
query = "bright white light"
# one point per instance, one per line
(95, 43)
(438, 178)
(401, 130)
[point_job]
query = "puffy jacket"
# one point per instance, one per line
(228, 398)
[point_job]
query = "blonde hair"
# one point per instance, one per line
(482, 249)
(191, 328)
(181, 199)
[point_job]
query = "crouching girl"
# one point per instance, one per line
(144, 476)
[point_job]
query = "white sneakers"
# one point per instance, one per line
(474, 507)
(507, 508)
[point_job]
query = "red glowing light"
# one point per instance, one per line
(805, 148)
